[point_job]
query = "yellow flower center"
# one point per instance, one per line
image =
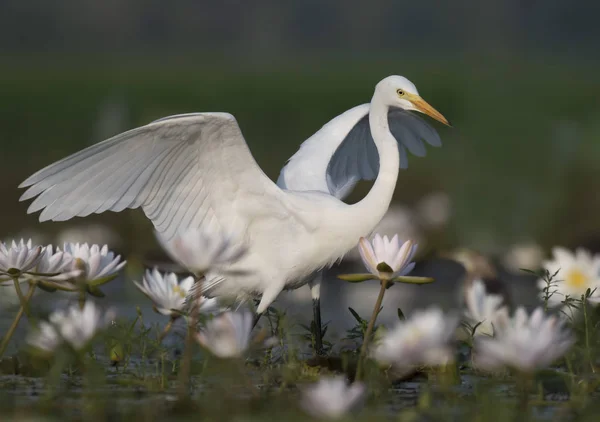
(576, 278)
(178, 290)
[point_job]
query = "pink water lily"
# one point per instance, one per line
(396, 255)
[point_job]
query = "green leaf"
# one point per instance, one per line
(401, 316)
(101, 281)
(384, 268)
(413, 280)
(56, 286)
(539, 274)
(34, 274)
(95, 291)
(356, 278)
(177, 313)
(116, 352)
(46, 287)
(475, 329)
(355, 315)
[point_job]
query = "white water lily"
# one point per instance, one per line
(55, 266)
(396, 255)
(423, 339)
(529, 256)
(434, 210)
(332, 397)
(46, 338)
(51, 265)
(169, 293)
(74, 326)
(95, 262)
(483, 310)
(19, 257)
(524, 342)
(227, 335)
(575, 273)
(199, 250)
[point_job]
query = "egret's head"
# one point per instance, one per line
(397, 91)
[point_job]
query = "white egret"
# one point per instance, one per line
(193, 170)
(343, 152)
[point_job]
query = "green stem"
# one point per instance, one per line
(53, 383)
(163, 377)
(588, 352)
(363, 349)
(186, 360)
(20, 295)
(241, 366)
(15, 323)
(523, 383)
(166, 330)
(81, 299)
(572, 383)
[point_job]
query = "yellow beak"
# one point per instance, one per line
(424, 107)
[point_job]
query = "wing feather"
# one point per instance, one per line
(64, 169)
(423, 130)
(176, 199)
(145, 182)
(148, 194)
(407, 137)
(183, 171)
(92, 195)
(169, 185)
(343, 152)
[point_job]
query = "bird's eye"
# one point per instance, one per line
(400, 92)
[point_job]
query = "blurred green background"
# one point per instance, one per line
(518, 80)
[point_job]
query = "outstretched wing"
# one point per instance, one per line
(343, 152)
(184, 171)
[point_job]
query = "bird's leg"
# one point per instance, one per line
(257, 315)
(256, 319)
(315, 292)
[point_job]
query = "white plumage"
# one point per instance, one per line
(195, 170)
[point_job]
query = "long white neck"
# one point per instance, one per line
(371, 209)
